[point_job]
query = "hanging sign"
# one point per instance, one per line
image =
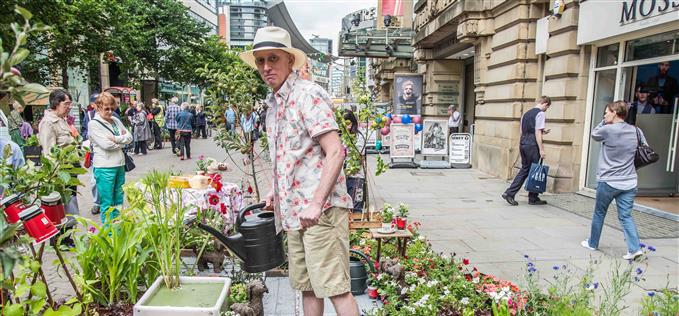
(402, 141)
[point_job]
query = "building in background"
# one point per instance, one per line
(204, 11)
(320, 66)
(240, 19)
(336, 81)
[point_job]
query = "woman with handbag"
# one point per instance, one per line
(108, 136)
(616, 176)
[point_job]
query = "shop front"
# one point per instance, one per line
(635, 57)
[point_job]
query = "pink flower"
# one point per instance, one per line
(213, 199)
(465, 261)
(92, 230)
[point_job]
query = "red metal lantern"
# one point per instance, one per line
(37, 225)
(54, 208)
(13, 205)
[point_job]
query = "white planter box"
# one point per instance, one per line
(140, 309)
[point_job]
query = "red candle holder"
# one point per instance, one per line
(372, 292)
(13, 205)
(401, 223)
(54, 208)
(37, 225)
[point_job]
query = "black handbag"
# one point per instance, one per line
(129, 162)
(645, 155)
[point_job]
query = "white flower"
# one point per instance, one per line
(432, 283)
(421, 280)
(362, 242)
(464, 300)
(475, 280)
(410, 309)
(412, 288)
(446, 292)
(404, 290)
(423, 300)
(420, 237)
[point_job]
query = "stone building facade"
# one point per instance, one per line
(495, 57)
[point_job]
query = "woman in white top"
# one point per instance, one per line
(108, 136)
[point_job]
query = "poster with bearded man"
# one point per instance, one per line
(408, 94)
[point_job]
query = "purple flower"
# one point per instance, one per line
(596, 285)
(651, 294)
(555, 268)
(525, 256)
(651, 248)
(642, 245)
(639, 271)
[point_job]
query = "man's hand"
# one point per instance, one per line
(310, 216)
(269, 202)
(542, 154)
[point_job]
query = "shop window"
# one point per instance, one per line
(652, 46)
(607, 55)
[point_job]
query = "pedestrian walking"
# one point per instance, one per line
(248, 122)
(356, 182)
(531, 149)
(454, 120)
(185, 129)
(201, 122)
(616, 176)
(157, 121)
(108, 136)
(304, 145)
(230, 116)
(54, 130)
(142, 131)
(171, 122)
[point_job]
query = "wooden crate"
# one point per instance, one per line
(365, 220)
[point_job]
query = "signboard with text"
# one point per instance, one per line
(402, 141)
(460, 148)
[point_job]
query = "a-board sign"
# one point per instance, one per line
(460, 148)
(402, 141)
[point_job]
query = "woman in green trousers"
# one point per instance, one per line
(108, 136)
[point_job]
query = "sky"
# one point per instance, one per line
(323, 17)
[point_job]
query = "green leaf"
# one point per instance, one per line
(39, 289)
(22, 289)
(35, 88)
(64, 176)
(27, 15)
(36, 306)
(19, 56)
(14, 310)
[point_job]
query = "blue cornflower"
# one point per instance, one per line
(642, 245)
(525, 256)
(651, 294)
(651, 248)
(555, 268)
(596, 285)
(639, 271)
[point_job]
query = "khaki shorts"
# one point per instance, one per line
(318, 257)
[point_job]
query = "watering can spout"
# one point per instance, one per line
(234, 243)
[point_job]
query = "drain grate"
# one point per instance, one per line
(426, 174)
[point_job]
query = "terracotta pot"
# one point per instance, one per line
(401, 222)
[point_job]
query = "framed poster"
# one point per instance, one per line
(407, 94)
(402, 141)
(435, 137)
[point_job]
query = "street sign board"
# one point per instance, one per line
(460, 149)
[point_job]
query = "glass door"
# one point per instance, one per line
(651, 89)
(604, 91)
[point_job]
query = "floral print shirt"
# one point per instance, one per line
(298, 114)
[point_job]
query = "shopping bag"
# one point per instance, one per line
(537, 178)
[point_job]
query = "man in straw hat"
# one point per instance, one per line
(308, 193)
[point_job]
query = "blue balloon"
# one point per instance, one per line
(406, 119)
(418, 128)
(389, 115)
(378, 144)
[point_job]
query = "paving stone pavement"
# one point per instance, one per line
(461, 211)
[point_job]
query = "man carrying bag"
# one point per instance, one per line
(532, 150)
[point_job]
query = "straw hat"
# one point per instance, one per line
(273, 37)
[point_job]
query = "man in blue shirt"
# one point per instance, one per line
(16, 158)
(230, 116)
(171, 114)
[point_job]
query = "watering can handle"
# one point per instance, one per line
(241, 214)
(362, 255)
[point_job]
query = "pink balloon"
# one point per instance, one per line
(417, 119)
(385, 131)
(388, 121)
(396, 119)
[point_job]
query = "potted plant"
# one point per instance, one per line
(387, 217)
(162, 212)
(372, 288)
(402, 218)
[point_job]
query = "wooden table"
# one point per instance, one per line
(402, 237)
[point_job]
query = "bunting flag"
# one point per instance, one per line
(392, 7)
